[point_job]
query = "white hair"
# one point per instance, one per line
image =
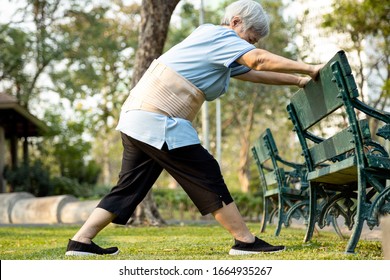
(252, 15)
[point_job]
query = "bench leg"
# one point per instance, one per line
(356, 232)
(359, 220)
(265, 215)
(385, 224)
(281, 215)
(312, 212)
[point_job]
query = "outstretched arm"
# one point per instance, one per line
(262, 60)
(273, 78)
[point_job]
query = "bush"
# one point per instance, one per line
(249, 204)
(34, 178)
(175, 202)
(71, 186)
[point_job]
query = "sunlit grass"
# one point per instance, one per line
(176, 242)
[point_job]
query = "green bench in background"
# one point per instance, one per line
(281, 198)
(339, 152)
(284, 186)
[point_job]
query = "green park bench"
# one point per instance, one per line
(341, 157)
(283, 184)
(281, 198)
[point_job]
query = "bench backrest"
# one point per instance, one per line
(334, 88)
(264, 153)
(321, 97)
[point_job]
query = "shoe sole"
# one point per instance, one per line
(78, 253)
(234, 252)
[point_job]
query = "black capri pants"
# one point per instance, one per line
(193, 167)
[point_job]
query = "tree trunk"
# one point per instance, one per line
(2, 159)
(106, 173)
(243, 170)
(243, 113)
(155, 18)
(147, 213)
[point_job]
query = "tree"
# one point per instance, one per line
(365, 25)
(75, 53)
(29, 47)
(97, 68)
(41, 47)
(14, 44)
(155, 18)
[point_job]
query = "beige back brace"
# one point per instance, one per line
(162, 90)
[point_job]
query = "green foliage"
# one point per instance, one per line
(71, 186)
(250, 205)
(60, 164)
(86, 53)
(365, 24)
(98, 67)
(362, 18)
(175, 204)
(37, 180)
(69, 150)
(97, 60)
(34, 43)
(14, 44)
(33, 178)
(64, 185)
(189, 20)
(365, 27)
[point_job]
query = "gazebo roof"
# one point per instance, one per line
(16, 120)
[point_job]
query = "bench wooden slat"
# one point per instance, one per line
(342, 172)
(270, 179)
(272, 192)
(311, 107)
(337, 144)
(330, 148)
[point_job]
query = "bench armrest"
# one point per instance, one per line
(384, 116)
(293, 165)
(378, 114)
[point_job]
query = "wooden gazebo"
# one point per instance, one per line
(16, 123)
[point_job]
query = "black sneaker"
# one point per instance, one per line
(259, 246)
(76, 248)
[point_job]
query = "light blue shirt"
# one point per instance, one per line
(207, 59)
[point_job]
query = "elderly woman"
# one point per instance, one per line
(157, 132)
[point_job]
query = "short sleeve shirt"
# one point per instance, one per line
(206, 58)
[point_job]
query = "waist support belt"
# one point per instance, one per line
(162, 90)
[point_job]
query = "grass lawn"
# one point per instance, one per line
(176, 242)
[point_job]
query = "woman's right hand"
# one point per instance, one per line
(316, 70)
